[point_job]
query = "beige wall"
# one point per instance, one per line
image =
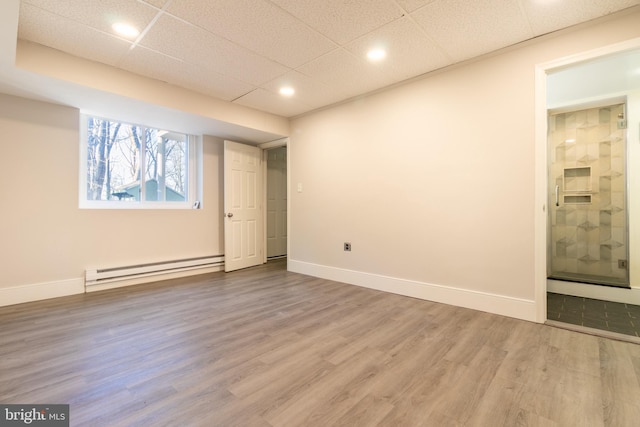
(47, 240)
(432, 182)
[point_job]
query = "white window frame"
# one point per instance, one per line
(194, 175)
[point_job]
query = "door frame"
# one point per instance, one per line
(282, 142)
(541, 155)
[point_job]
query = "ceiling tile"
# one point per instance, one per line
(100, 14)
(260, 26)
(173, 71)
(308, 91)
(196, 46)
(157, 3)
(411, 5)
(343, 21)
(60, 33)
(344, 72)
(216, 85)
(547, 16)
(466, 29)
(409, 51)
(264, 100)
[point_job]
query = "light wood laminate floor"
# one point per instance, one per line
(266, 347)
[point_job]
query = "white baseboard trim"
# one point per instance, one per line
(40, 291)
(152, 278)
(498, 304)
(63, 288)
(585, 290)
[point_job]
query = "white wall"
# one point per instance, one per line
(432, 182)
(47, 241)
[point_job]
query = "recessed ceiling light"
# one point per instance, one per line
(125, 30)
(376, 54)
(287, 91)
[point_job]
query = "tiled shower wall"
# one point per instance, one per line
(589, 227)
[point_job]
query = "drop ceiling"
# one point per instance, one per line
(243, 51)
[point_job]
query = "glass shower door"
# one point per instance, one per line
(588, 212)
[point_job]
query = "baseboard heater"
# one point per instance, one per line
(105, 275)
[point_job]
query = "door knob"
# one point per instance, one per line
(230, 214)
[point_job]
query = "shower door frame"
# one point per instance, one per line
(606, 101)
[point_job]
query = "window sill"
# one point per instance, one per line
(138, 205)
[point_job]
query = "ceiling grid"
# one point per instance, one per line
(244, 51)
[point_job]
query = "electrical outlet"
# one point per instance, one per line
(622, 263)
(347, 246)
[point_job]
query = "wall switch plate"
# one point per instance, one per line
(347, 246)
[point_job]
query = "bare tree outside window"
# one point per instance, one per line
(132, 163)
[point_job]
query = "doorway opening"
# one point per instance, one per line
(585, 245)
(276, 202)
(255, 203)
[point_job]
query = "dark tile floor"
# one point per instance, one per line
(593, 313)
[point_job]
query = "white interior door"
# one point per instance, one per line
(243, 222)
(277, 202)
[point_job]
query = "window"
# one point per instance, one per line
(133, 166)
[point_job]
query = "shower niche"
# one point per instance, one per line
(576, 184)
(588, 215)
(577, 180)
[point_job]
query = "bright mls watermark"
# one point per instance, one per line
(34, 415)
